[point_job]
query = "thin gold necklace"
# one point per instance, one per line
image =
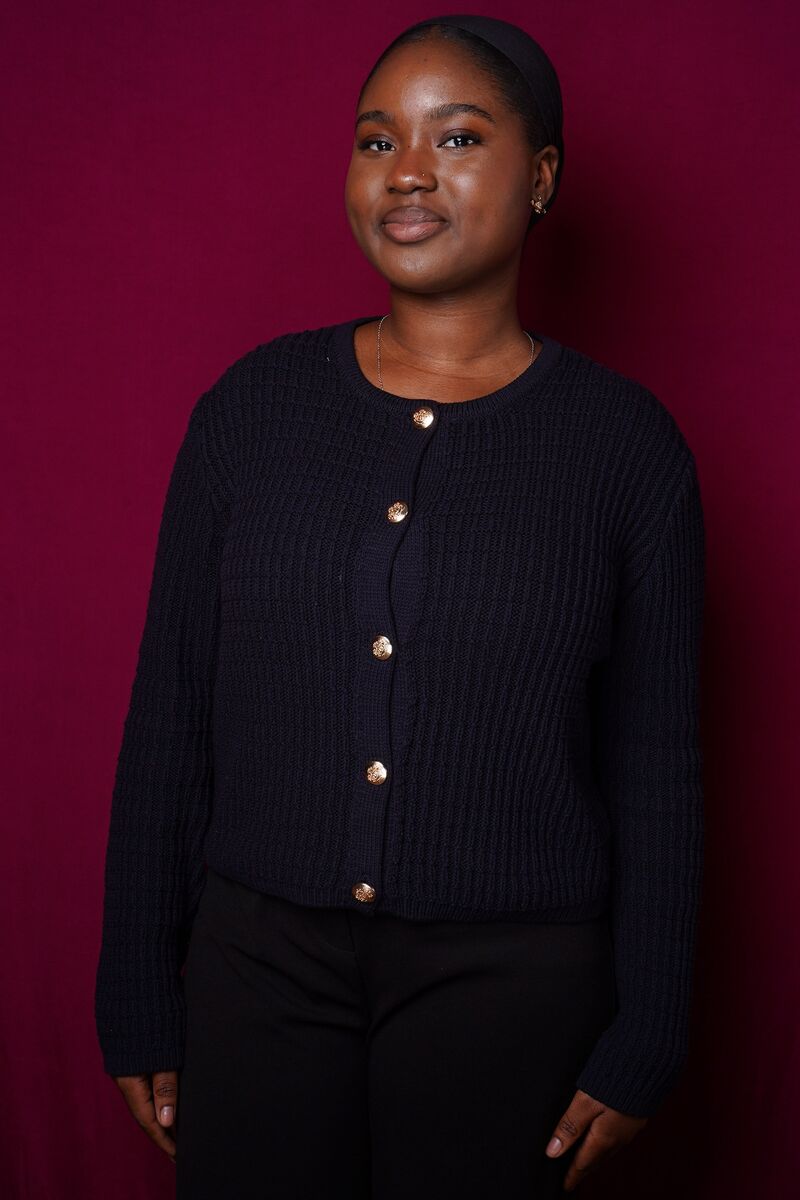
(380, 376)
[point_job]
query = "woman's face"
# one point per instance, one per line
(473, 171)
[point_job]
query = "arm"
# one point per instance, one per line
(154, 868)
(650, 770)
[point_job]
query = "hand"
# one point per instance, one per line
(607, 1131)
(153, 1102)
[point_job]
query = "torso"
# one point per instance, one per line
(403, 381)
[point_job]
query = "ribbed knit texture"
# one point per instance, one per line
(537, 716)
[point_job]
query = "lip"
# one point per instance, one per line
(408, 231)
(411, 224)
(411, 212)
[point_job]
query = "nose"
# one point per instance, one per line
(409, 169)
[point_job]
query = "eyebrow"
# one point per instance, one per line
(438, 113)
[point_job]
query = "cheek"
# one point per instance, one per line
(356, 187)
(350, 187)
(359, 204)
(479, 197)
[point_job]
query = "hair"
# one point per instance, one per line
(507, 79)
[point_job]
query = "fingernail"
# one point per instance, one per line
(166, 1114)
(554, 1145)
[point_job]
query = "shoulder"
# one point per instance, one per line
(625, 410)
(279, 359)
(263, 379)
(637, 444)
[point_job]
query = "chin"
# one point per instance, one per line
(415, 271)
(423, 283)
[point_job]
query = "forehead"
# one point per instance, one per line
(430, 66)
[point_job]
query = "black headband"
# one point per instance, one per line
(533, 64)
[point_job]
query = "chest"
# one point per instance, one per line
(467, 534)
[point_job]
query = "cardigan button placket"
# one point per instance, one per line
(376, 772)
(363, 892)
(397, 512)
(423, 417)
(376, 700)
(382, 647)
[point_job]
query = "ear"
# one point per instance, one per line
(545, 166)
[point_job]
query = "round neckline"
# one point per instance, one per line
(343, 349)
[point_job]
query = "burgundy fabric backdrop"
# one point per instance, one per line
(173, 196)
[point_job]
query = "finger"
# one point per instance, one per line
(165, 1096)
(596, 1146)
(572, 1124)
(138, 1093)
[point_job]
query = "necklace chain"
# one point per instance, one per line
(380, 376)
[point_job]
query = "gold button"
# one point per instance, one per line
(422, 417)
(376, 771)
(397, 511)
(364, 892)
(382, 647)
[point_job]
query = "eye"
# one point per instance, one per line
(468, 136)
(372, 142)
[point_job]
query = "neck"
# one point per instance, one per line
(451, 338)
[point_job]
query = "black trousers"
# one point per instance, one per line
(335, 1057)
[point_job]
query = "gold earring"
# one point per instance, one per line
(538, 206)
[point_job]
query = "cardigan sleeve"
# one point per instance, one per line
(650, 773)
(154, 868)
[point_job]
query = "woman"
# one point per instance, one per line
(418, 685)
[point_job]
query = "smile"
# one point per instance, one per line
(412, 231)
